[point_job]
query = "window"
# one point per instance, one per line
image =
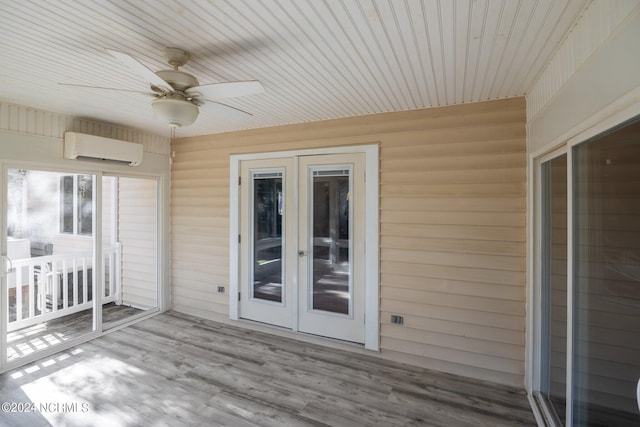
(76, 204)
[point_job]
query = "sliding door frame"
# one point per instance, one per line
(372, 234)
(80, 167)
(162, 297)
(96, 329)
(602, 121)
(535, 315)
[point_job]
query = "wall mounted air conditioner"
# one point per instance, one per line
(83, 146)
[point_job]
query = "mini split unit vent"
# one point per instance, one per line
(82, 146)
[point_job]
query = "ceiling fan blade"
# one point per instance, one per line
(142, 71)
(107, 88)
(222, 109)
(226, 90)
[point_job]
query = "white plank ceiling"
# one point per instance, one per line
(317, 59)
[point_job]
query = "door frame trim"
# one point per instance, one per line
(372, 289)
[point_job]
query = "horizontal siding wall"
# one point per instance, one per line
(452, 231)
(137, 232)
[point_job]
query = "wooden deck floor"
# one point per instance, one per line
(174, 369)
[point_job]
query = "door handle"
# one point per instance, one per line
(302, 253)
(638, 394)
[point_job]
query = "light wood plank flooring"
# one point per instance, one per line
(173, 369)
(26, 341)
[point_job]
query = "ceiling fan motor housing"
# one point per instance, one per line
(177, 79)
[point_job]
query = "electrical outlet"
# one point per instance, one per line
(397, 320)
(221, 289)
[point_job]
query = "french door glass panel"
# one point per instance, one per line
(50, 244)
(606, 361)
(554, 285)
(268, 243)
(331, 278)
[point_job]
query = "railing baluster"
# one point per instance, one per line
(18, 273)
(105, 257)
(42, 288)
(85, 295)
(118, 273)
(32, 291)
(65, 285)
(112, 273)
(74, 285)
(54, 286)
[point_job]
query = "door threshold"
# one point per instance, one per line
(300, 336)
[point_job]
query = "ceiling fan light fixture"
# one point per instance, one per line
(176, 112)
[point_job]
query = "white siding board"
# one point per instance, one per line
(454, 246)
(481, 275)
(465, 343)
(498, 376)
(473, 302)
(492, 262)
(454, 287)
(466, 357)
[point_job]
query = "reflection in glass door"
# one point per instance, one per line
(267, 239)
(590, 298)
(130, 248)
(332, 288)
(606, 318)
(50, 284)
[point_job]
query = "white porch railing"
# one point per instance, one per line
(48, 287)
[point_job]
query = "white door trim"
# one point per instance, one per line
(372, 292)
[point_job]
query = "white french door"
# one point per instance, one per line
(302, 244)
(331, 246)
(267, 257)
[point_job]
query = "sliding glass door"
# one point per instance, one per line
(80, 254)
(606, 252)
(589, 287)
(50, 259)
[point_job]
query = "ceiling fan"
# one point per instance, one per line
(178, 95)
